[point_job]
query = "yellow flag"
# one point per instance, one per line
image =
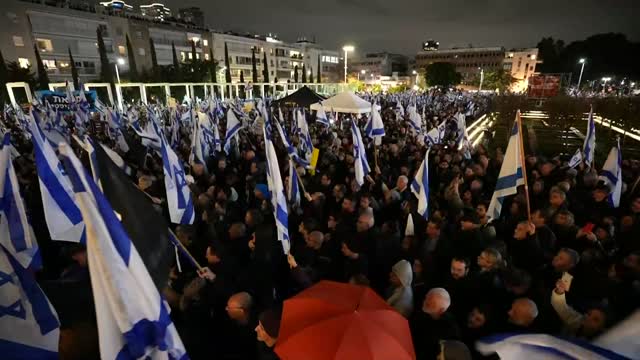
(314, 160)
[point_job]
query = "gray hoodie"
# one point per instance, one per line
(401, 298)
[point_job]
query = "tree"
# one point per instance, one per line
(176, 63)
(319, 68)
(227, 70)
(442, 74)
(304, 73)
(498, 79)
(265, 68)
(4, 76)
(43, 77)
(133, 69)
(212, 67)
(295, 73)
(154, 57)
(74, 72)
(105, 67)
(311, 75)
(254, 67)
(241, 76)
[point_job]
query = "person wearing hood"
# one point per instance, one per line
(401, 298)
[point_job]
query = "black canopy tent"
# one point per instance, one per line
(302, 97)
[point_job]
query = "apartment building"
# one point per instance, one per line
(57, 29)
(468, 61)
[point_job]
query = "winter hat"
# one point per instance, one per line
(270, 321)
(403, 271)
(264, 190)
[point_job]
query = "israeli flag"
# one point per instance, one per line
(511, 174)
(612, 174)
(114, 119)
(199, 144)
(361, 164)
(624, 338)
(18, 238)
(414, 119)
(278, 198)
(29, 326)
(291, 150)
(233, 126)
(420, 187)
(64, 220)
(374, 129)
(213, 119)
(293, 188)
(179, 198)
(589, 146)
(576, 159)
(305, 136)
(133, 318)
(463, 135)
(399, 110)
(542, 347)
(435, 135)
(321, 117)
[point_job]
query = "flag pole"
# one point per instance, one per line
(524, 167)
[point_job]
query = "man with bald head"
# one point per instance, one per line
(522, 315)
(237, 334)
(433, 324)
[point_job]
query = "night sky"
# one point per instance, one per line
(401, 25)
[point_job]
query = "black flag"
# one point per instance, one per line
(144, 224)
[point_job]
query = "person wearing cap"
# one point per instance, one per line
(267, 334)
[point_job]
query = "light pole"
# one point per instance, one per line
(582, 61)
(416, 74)
(604, 83)
(119, 61)
(347, 49)
(481, 79)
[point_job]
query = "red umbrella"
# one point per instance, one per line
(339, 321)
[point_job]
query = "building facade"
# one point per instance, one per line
(192, 15)
(521, 63)
(155, 11)
(379, 64)
(56, 30)
(468, 61)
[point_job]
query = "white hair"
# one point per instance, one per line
(443, 295)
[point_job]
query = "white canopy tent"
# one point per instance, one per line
(346, 102)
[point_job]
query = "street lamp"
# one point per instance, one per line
(582, 61)
(481, 79)
(416, 74)
(604, 83)
(346, 49)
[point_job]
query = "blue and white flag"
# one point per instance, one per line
(420, 187)
(17, 234)
(64, 220)
(233, 126)
(436, 135)
(414, 119)
(29, 326)
(305, 136)
(114, 119)
(511, 174)
(612, 174)
(463, 135)
(179, 198)
(589, 146)
(133, 318)
(293, 187)
(199, 144)
(623, 338)
(374, 128)
(542, 347)
(291, 150)
(576, 159)
(399, 110)
(278, 197)
(361, 164)
(321, 117)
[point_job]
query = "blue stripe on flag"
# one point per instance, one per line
(509, 180)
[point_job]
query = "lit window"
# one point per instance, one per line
(63, 64)
(141, 52)
(18, 41)
(205, 42)
(206, 56)
(44, 45)
(49, 64)
(183, 56)
(24, 63)
(190, 56)
(533, 57)
(121, 50)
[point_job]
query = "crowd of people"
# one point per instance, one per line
(572, 268)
